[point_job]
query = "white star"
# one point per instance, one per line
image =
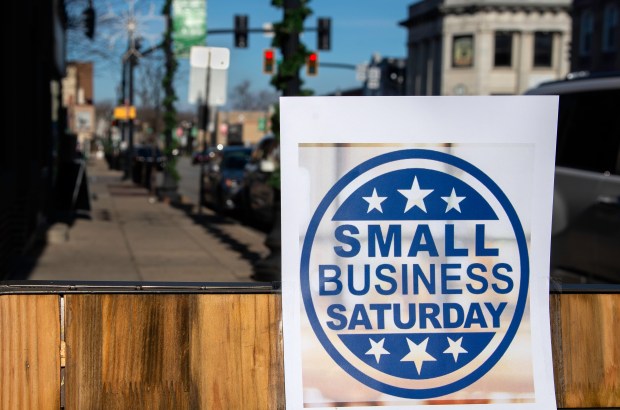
(453, 201)
(374, 201)
(455, 348)
(417, 354)
(377, 349)
(415, 196)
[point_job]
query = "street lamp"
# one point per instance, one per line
(137, 27)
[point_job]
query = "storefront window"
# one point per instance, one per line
(463, 51)
(543, 49)
(503, 49)
(610, 28)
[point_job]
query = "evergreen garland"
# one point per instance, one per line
(170, 113)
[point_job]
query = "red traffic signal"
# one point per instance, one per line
(268, 62)
(312, 64)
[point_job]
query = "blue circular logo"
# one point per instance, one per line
(415, 273)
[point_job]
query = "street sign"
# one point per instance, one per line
(374, 78)
(216, 57)
(216, 60)
(125, 112)
(361, 72)
(189, 24)
(268, 30)
(84, 120)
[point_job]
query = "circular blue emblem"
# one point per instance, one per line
(415, 273)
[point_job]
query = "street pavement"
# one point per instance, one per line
(133, 236)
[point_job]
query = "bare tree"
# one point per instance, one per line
(149, 90)
(243, 98)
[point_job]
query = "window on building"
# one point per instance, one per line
(543, 49)
(610, 28)
(585, 33)
(463, 51)
(503, 49)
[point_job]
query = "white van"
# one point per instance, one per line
(586, 209)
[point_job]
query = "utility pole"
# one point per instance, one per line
(129, 60)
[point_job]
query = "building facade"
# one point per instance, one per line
(486, 47)
(241, 127)
(596, 35)
(32, 126)
(77, 99)
(385, 76)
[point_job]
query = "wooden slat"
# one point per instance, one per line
(29, 352)
(225, 351)
(173, 351)
(586, 349)
(236, 354)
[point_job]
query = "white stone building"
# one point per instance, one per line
(486, 47)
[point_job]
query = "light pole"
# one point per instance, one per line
(136, 27)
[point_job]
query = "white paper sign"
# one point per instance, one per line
(416, 241)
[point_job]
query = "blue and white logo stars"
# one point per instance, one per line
(374, 201)
(377, 349)
(455, 348)
(453, 201)
(415, 198)
(415, 195)
(418, 354)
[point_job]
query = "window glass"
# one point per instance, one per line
(543, 49)
(463, 51)
(610, 28)
(503, 49)
(585, 33)
(589, 131)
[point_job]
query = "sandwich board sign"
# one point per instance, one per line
(416, 251)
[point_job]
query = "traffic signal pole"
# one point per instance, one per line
(289, 48)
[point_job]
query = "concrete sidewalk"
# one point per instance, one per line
(133, 237)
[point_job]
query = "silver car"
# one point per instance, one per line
(586, 200)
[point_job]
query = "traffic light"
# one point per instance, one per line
(324, 34)
(241, 30)
(89, 22)
(268, 61)
(312, 64)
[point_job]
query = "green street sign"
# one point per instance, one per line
(189, 24)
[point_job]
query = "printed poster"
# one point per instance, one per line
(416, 240)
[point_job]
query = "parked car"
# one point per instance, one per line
(203, 155)
(258, 194)
(223, 177)
(586, 200)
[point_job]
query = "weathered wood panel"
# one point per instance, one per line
(586, 349)
(174, 351)
(190, 351)
(29, 352)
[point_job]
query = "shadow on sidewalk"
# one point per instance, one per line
(211, 223)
